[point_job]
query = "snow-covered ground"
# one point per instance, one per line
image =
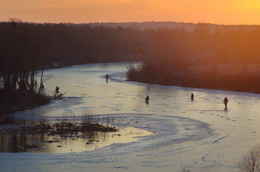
(199, 135)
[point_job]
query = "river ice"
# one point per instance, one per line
(199, 135)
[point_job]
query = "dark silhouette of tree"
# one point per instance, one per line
(27, 48)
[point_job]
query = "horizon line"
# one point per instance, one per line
(125, 22)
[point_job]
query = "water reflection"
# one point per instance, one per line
(56, 144)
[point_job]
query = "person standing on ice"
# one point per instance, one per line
(147, 99)
(57, 90)
(192, 96)
(107, 76)
(225, 102)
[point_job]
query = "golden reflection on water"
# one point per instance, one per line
(55, 144)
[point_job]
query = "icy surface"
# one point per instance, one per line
(199, 134)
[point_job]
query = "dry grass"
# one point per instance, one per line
(222, 76)
(251, 161)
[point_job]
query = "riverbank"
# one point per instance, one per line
(250, 85)
(230, 78)
(14, 101)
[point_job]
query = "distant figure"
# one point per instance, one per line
(107, 76)
(57, 90)
(192, 96)
(147, 99)
(225, 102)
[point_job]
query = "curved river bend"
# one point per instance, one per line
(199, 135)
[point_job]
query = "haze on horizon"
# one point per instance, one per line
(86, 11)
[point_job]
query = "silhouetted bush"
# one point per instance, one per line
(251, 161)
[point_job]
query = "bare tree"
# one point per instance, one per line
(251, 161)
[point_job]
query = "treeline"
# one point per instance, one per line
(20, 58)
(179, 57)
(204, 44)
(27, 48)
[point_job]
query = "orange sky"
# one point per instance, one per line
(84, 11)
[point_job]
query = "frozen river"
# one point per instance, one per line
(199, 135)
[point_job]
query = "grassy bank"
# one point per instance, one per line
(14, 101)
(223, 77)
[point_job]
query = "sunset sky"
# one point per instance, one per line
(85, 11)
